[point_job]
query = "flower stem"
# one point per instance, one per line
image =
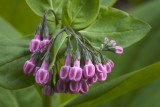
(46, 101)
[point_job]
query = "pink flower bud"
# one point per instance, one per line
(83, 87)
(61, 86)
(35, 43)
(42, 75)
(47, 90)
(119, 50)
(75, 73)
(74, 87)
(64, 71)
(106, 39)
(107, 67)
(92, 80)
(101, 76)
(111, 63)
(44, 42)
(113, 42)
(99, 68)
(29, 66)
(35, 71)
(88, 69)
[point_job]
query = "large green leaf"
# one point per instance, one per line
(27, 97)
(14, 52)
(17, 13)
(116, 25)
(107, 3)
(80, 13)
(56, 47)
(40, 6)
(119, 86)
(139, 55)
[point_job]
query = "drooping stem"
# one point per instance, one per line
(50, 10)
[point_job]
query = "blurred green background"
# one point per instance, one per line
(16, 16)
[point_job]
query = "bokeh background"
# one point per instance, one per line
(16, 13)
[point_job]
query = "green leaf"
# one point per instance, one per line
(19, 15)
(27, 97)
(137, 56)
(40, 6)
(80, 13)
(56, 47)
(14, 52)
(108, 3)
(116, 25)
(119, 86)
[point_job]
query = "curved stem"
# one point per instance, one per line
(50, 10)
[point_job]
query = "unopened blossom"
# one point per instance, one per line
(113, 42)
(48, 90)
(35, 43)
(119, 50)
(75, 72)
(74, 87)
(42, 75)
(101, 76)
(29, 66)
(61, 86)
(83, 87)
(64, 71)
(99, 68)
(88, 69)
(44, 42)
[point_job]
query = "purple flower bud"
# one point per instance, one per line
(101, 76)
(75, 72)
(99, 68)
(111, 63)
(44, 42)
(113, 42)
(35, 71)
(88, 69)
(83, 87)
(107, 67)
(74, 87)
(35, 43)
(64, 71)
(47, 90)
(92, 80)
(42, 76)
(61, 86)
(29, 66)
(119, 50)
(106, 39)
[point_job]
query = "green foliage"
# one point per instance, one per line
(80, 13)
(116, 25)
(13, 55)
(40, 6)
(107, 3)
(118, 86)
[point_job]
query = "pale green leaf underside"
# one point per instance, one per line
(119, 86)
(116, 25)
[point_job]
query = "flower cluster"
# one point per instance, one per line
(82, 68)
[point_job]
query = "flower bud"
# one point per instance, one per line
(64, 71)
(101, 76)
(61, 86)
(35, 43)
(113, 42)
(119, 50)
(75, 72)
(29, 66)
(99, 68)
(35, 71)
(48, 90)
(83, 87)
(44, 42)
(106, 40)
(74, 87)
(42, 75)
(111, 63)
(88, 69)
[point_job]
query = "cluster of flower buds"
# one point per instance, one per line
(82, 68)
